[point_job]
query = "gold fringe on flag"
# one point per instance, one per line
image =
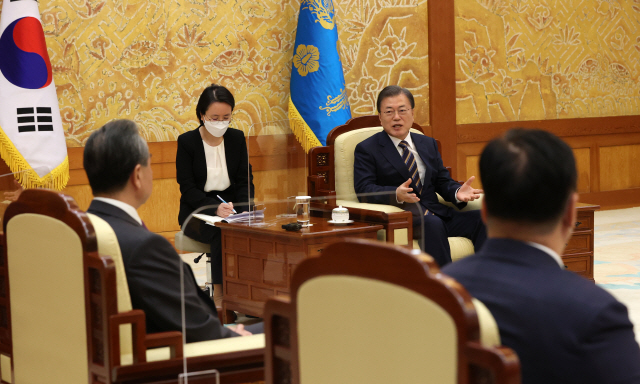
(26, 176)
(303, 133)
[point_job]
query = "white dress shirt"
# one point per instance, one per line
(421, 166)
(124, 206)
(411, 148)
(548, 251)
(217, 173)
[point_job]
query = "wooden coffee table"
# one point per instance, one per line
(258, 261)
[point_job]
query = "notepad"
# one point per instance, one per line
(244, 217)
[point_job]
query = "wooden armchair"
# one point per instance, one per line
(331, 177)
(70, 323)
(332, 329)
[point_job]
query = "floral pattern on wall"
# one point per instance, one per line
(148, 60)
(546, 59)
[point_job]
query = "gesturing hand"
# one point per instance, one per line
(239, 329)
(467, 193)
(403, 193)
(225, 209)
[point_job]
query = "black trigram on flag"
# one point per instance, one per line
(30, 118)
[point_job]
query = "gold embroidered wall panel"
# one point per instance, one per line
(148, 60)
(382, 43)
(546, 59)
(517, 60)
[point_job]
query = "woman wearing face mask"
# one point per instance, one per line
(212, 161)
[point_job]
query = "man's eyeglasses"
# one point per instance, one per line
(401, 112)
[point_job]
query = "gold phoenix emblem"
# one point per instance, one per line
(336, 103)
(323, 10)
(306, 59)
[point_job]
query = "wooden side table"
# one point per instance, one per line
(578, 255)
(258, 261)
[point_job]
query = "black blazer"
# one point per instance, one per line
(153, 274)
(378, 167)
(564, 328)
(191, 173)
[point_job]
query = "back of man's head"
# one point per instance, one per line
(528, 177)
(111, 154)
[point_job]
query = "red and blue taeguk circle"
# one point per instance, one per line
(24, 60)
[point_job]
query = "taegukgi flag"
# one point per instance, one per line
(318, 100)
(32, 140)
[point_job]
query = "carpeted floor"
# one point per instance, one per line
(617, 257)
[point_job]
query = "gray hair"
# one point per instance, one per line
(112, 153)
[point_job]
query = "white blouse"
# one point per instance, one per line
(217, 173)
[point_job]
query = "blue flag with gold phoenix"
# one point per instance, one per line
(318, 101)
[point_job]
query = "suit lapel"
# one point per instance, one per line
(200, 163)
(392, 155)
(229, 155)
(421, 148)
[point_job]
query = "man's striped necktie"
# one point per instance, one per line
(410, 162)
(412, 165)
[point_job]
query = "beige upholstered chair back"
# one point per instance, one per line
(367, 345)
(489, 332)
(338, 326)
(48, 319)
(344, 147)
(108, 246)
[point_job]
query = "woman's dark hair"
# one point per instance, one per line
(211, 94)
(394, 90)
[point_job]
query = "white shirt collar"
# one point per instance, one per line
(122, 205)
(397, 141)
(548, 251)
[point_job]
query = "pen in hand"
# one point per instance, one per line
(221, 199)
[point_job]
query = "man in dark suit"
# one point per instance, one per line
(406, 170)
(564, 328)
(117, 162)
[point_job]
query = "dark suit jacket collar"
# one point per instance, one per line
(517, 252)
(421, 147)
(111, 210)
(390, 152)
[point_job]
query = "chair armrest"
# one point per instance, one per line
(390, 217)
(471, 206)
(317, 187)
(370, 207)
(136, 318)
(173, 340)
(235, 367)
(281, 348)
(321, 179)
(208, 347)
(499, 365)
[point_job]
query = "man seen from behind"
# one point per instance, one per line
(564, 328)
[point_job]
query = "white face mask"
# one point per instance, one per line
(216, 128)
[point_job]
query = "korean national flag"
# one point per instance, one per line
(32, 140)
